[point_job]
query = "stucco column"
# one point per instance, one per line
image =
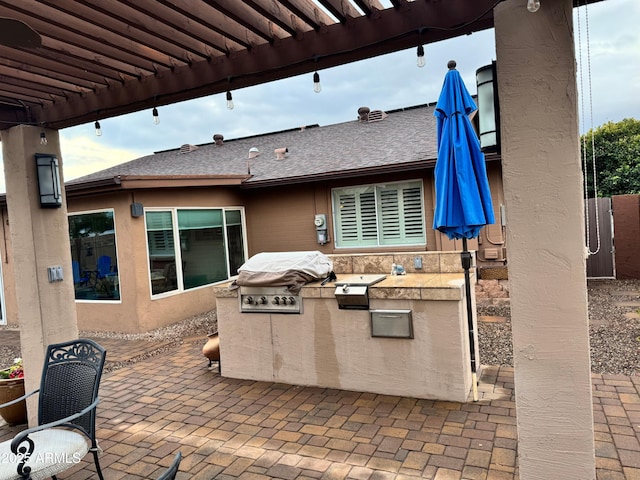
(545, 236)
(39, 239)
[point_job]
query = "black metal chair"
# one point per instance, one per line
(172, 471)
(67, 400)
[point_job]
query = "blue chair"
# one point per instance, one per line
(78, 279)
(104, 267)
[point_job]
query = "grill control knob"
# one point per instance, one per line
(248, 300)
(263, 300)
(284, 300)
(345, 288)
(276, 300)
(292, 301)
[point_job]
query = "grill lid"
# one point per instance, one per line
(291, 269)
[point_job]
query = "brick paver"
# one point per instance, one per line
(229, 428)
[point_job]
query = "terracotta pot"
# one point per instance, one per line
(211, 349)
(10, 389)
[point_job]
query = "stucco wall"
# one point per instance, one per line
(7, 271)
(277, 219)
(281, 218)
(547, 268)
(137, 311)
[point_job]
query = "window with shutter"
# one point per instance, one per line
(383, 214)
(190, 248)
(160, 234)
(356, 213)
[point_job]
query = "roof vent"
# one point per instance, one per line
(281, 153)
(376, 116)
(363, 114)
(218, 139)
(186, 148)
(253, 152)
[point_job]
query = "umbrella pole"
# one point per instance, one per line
(466, 265)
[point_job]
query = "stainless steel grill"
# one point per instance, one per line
(269, 300)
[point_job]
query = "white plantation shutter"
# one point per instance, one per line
(389, 214)
(356, 216)
(369, 227)
(347, 218)
(160, 233)
(412, 214)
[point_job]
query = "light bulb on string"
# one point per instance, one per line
(533, 5)
(316, 83)
(421, 63)
(229, 100)
(156, 117)
(98, 129)
(43, 138)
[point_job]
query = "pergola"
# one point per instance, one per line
(100, 59)
(66, 62)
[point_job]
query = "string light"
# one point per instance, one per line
(43, 138)
(98, 129)
(156, 117)
(533, 5)
(316, 83)
(229, 100)
(421, 62)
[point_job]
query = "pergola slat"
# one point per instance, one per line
(102, 58)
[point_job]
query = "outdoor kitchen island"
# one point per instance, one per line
(412, 340)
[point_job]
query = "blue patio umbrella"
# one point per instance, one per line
(463, 198)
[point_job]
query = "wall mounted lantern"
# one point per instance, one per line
(488, 108)
(48, 181)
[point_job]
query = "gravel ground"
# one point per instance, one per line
(195, 328)
(614, 330)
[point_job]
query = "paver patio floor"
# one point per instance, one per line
(227, 428)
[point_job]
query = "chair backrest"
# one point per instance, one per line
(170, 275)
(76, 271)
(70, 381)
(172, 471)
(104, 265)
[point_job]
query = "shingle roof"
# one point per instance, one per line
(403, 138)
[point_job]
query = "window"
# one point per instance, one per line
(189, 248)
(379, 215)
(94, 257)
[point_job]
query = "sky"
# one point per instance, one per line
(382, 83)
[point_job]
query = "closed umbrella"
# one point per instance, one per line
(463, 198)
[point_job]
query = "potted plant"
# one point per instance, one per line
(12, 387)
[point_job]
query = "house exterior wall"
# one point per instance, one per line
(281, 218)
(137, 311)
(277, 219)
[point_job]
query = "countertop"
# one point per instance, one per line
(411, 286)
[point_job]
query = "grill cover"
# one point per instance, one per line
(290, 269)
